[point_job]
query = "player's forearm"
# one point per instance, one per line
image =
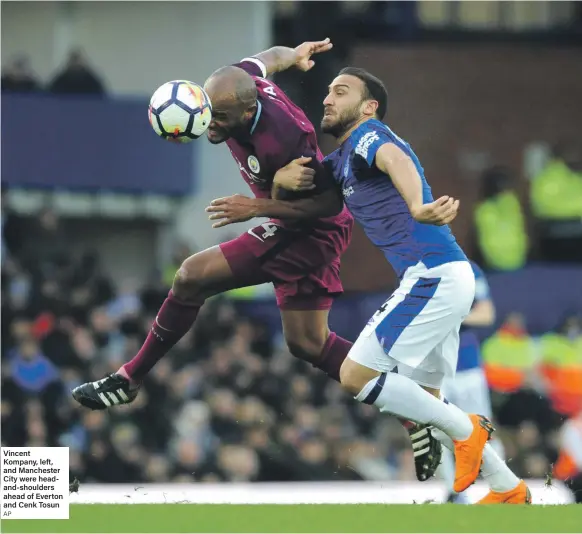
(277, 59)
(324, 205)
(483, 315)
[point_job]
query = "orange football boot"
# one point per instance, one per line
(518, 495)
(469, 452)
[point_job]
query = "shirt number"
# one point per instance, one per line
(270, 90)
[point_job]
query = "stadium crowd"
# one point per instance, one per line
(228, 404)
(77, 77)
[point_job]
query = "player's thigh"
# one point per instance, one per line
(368, 351)
(409, 326)
(377, 343)
(415, 323)
(247, 254)
(306, 272)
(218, 269)
(441, 362)
(305, 331)
(203, 274)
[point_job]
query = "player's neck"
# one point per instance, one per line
(348, 132)
(249, 126)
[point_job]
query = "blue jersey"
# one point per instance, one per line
(377, 205)
(469, 346)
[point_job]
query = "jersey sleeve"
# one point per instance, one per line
(252, 65)
(367, 146)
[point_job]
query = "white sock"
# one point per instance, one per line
(446, 470)
(400, 396)
(494, 470)
(498, 447)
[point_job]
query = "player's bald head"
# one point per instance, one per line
(233, 95)
(230, 86)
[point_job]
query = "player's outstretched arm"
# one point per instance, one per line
(239, 208)
(393, 161)
(280, 58)
(326, 204)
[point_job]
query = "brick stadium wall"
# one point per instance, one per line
(450, 100)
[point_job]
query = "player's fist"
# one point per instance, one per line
(295, 176)
(440, 212)
(306, 50)
(230, 210)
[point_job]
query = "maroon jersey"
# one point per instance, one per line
(279, 134)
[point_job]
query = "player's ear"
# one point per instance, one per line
(250, 111)
(370, 107)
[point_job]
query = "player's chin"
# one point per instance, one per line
(328, 126)
(215, 137)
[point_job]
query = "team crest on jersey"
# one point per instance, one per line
(253, 164)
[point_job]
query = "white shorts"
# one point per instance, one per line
(417, 329)
(469, 391)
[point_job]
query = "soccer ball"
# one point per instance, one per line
(180, 111)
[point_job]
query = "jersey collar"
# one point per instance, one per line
(257, 116)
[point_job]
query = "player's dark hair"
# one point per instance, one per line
(374, 89)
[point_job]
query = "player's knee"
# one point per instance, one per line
(189, 281)
(353, 376)
(302, 350)
(306, 347)
(349, 378)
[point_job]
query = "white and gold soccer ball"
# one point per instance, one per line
(180, 111)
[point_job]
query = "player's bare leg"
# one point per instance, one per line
(201, 276)
(308, 338)
(397, 394)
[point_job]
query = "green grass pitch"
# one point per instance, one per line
(365, 518)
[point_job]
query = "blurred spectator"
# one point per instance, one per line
(45, 249)
(13, 229)
(568, 466)
(508, 355)
(561, 366)
(556, 192)
(30, 369)
(77, 77)
(18, 77)
(500, 222)
(556, 199)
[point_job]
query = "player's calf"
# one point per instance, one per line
(427, 450)
(199, 277)
(354, 377)
(308, 338)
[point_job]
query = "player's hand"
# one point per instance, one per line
(230, 210)
(440, 212)
(295, 176)
(306, 50)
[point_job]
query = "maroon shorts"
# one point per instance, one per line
(304, 266)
